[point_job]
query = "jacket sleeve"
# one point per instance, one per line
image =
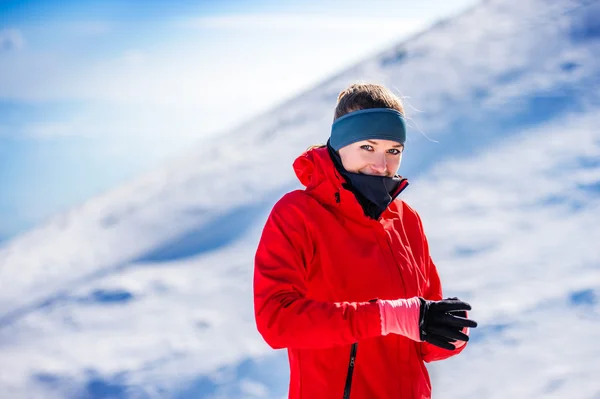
(433, 291)
(285, 315)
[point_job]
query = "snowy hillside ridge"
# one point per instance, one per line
(543, 73)
(506, 241)
(145, 292)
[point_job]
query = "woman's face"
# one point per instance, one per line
(372, 157)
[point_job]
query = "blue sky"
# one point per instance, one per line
(94, 93)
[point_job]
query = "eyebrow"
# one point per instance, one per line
(394, 146)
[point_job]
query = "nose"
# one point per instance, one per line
(380, 166)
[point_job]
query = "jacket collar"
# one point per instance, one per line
(316, 171)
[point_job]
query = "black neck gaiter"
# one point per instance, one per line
(373, 193)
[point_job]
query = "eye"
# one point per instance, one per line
(396, 151)
(367, 147)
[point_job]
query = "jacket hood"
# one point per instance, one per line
(315, 167)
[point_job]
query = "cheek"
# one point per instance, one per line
(394, 163)
(353, 161)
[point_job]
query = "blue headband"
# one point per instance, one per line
(371, 123)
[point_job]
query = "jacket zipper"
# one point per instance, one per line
(350, 370)
(351, 364)
(354, 347)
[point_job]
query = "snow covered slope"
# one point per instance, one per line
(145, 292)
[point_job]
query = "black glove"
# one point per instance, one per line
(441, 322)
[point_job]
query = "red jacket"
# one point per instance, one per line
(319, 264)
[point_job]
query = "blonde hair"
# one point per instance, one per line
(364, 96)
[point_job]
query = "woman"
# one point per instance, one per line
(343, 277)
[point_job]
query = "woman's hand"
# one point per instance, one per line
(440, 323)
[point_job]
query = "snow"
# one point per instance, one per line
(146, 292)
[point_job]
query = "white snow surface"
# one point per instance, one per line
(146, 291)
